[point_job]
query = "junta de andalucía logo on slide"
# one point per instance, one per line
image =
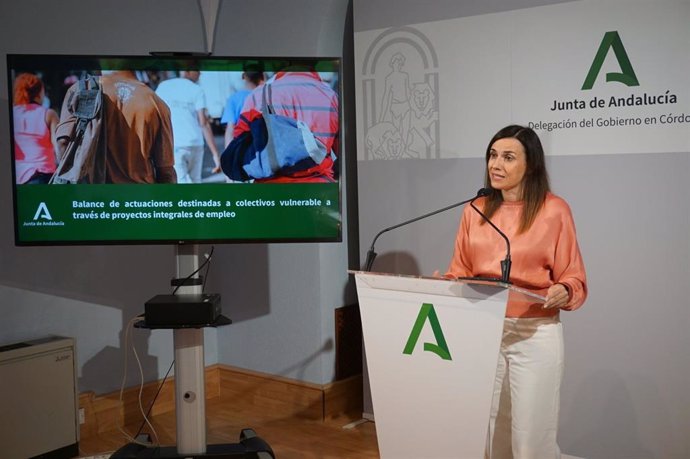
(42, 217)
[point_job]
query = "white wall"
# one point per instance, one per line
(89, 293)
(280, 298)
(625, 392)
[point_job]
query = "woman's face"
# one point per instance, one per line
(507, 166)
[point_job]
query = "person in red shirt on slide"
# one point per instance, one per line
(299, 93)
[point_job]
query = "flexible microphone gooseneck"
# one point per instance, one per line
(505, 264)
(371, 254)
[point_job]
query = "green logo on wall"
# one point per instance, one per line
(427, 312)
(626, 76)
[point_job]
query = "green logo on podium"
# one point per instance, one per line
(427, 312)
(626, 76)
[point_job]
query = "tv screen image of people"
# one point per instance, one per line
(174, 149)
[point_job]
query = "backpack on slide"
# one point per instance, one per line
(84, 158)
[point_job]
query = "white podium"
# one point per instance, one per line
(432, 347)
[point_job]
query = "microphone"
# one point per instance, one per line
(371, 254)
(505, 263)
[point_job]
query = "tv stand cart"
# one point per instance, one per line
(190, 406)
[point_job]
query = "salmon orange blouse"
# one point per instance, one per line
(545, 254)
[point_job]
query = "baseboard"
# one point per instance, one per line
(284, 397)
(270, 395)
(106, 412)
(343, 397)
(254, 391)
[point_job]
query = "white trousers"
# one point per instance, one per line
(526, 401)
(188, 162)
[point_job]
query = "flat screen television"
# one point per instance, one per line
(116, 149)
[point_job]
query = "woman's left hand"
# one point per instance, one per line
(556, 297)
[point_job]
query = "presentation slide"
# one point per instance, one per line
(174, 149)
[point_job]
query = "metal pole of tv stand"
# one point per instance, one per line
(190, 397)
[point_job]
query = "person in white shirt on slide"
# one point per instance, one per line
(190, 124)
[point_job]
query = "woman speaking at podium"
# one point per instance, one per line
(546, 260)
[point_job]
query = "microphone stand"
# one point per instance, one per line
(371, 254)
(505, 263)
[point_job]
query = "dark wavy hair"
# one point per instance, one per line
(535, 182)
(254, 72)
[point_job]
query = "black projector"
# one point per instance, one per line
(184, 310)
